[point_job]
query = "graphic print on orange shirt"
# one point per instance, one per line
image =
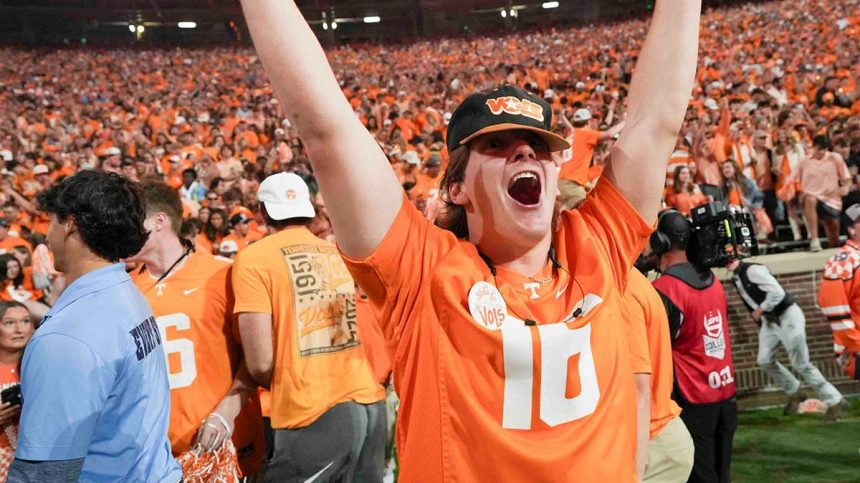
(325, 305)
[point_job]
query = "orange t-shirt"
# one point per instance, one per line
(10, 242)
(319, 361)
(579, 158)
(192, 306)
(486, 396)
(645, 308)
(683, 201)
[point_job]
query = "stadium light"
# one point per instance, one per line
(131, 28)
(140, 29)
(549, 5)
(333, 25)
(514, 13)
(325, 25)
(504, 13)
(187, 25)
(372, 19)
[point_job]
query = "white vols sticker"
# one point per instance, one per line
(487, 306)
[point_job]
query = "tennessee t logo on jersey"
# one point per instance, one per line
(515, 106)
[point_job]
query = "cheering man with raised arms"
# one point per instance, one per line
(508, 343)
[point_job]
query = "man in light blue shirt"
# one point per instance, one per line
(96, 401)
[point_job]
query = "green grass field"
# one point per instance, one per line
(770, 447)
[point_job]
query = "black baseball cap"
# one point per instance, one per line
(675, 226)
(503, 109)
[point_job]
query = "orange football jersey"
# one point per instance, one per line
(193, 308)
(505, 378)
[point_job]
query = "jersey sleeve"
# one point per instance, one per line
(637, 337)
(251, 286)
(58, 418)
(615, 225)
(401, 266)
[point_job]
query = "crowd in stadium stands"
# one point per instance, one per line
(773, 124)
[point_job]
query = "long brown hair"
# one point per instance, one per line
(676, 181)
(738, 179)
(453, 216)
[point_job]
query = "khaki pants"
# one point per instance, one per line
(670, 454)
(572, 194)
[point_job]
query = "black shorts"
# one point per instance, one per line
(826, 211)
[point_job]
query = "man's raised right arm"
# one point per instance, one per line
(361, 191)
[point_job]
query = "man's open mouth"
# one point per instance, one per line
(525, 188)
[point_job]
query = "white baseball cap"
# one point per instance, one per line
(228, 246)
(113, 151)
(582, 115)
(711, 104)
(40, 169)
(411, 157)
(285, 195)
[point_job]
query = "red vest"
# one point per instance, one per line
(702, 350)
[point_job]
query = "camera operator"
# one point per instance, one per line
(701, 351)
(781, 321)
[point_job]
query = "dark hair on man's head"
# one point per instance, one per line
(159, 197)
(281, 224)
(821, 141)
(453, 216)
(232, 194)
(108, 211)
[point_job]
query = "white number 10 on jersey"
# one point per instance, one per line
(558, 344)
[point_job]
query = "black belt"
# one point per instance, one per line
(781, 307)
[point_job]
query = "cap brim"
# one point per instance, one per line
(283, 211)
(554, 141)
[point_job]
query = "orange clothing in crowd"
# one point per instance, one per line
(839, 299)
(683, 201)
(319, 360)
(578, 158)
(645, 308)
(372, 339)
(10, 242)
(820, 178)
(202, 242)
(193, 309)
(27, 291)
(679, 158)
(465, 361)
